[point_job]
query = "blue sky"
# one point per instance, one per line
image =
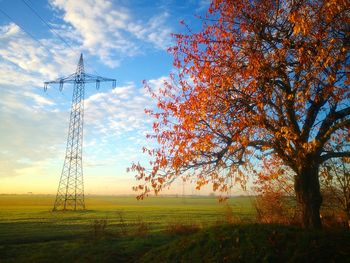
(126, 40)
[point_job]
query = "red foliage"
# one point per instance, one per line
(262, 79)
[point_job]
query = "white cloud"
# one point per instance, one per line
(156, 85)
(29, 133)
(109, 30)
(33, 126)
(12, 74)
(8, 167)
(118, 117)
(203, 5)
(26, 62)
(99, 27)
(38, 100)
(153, 31)
(120, 110)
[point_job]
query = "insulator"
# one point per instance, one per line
(61, 84)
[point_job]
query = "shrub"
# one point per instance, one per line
(122, 225)
(142, 227)
(229, 216)
(99, 228)
(334, 218)
(274, 208)
(182, 228)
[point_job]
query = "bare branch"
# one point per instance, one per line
(331, 155)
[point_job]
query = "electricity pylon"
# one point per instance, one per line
(70, 193)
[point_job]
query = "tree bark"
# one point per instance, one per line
(307, 189)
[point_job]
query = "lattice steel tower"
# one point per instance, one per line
(70, 193)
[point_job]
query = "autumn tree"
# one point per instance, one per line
(262, 80)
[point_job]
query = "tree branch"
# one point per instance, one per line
(326, 129)
(333, 129)
(331, 155)
(311, 117)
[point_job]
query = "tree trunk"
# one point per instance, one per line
(348, 213)
(307, 189)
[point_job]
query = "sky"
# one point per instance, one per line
(42, 40)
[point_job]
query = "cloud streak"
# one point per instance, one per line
(35, 130)
(25, 62)
(110, 31)
(34, 125)
(118, 117)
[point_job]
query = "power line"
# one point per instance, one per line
(38, 41)
(41, 44)
(22, 28)
(55, 32)
(30, 35)
(52, 30)
(48, 25)
(49, 51)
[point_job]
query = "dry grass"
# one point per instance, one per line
(334, 218)
(142, 228)
(182, 228)
(122, 225)
(230, 217)
(99, 228)
(272, 208)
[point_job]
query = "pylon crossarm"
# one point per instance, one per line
(89, 78)
(64, 79)
(68, 79)
(95, 77)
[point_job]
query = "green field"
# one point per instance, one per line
(31, 232)
(157, 229)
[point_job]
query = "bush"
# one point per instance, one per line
(142, 227)
(99, 228)
(229, 216)
(181, 228)
(255, 243)
(274, 208)
(122, 225)
(334, 218)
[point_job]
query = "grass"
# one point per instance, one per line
(24, 213)
(162, 229)
(252, 243)
(30, 231)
